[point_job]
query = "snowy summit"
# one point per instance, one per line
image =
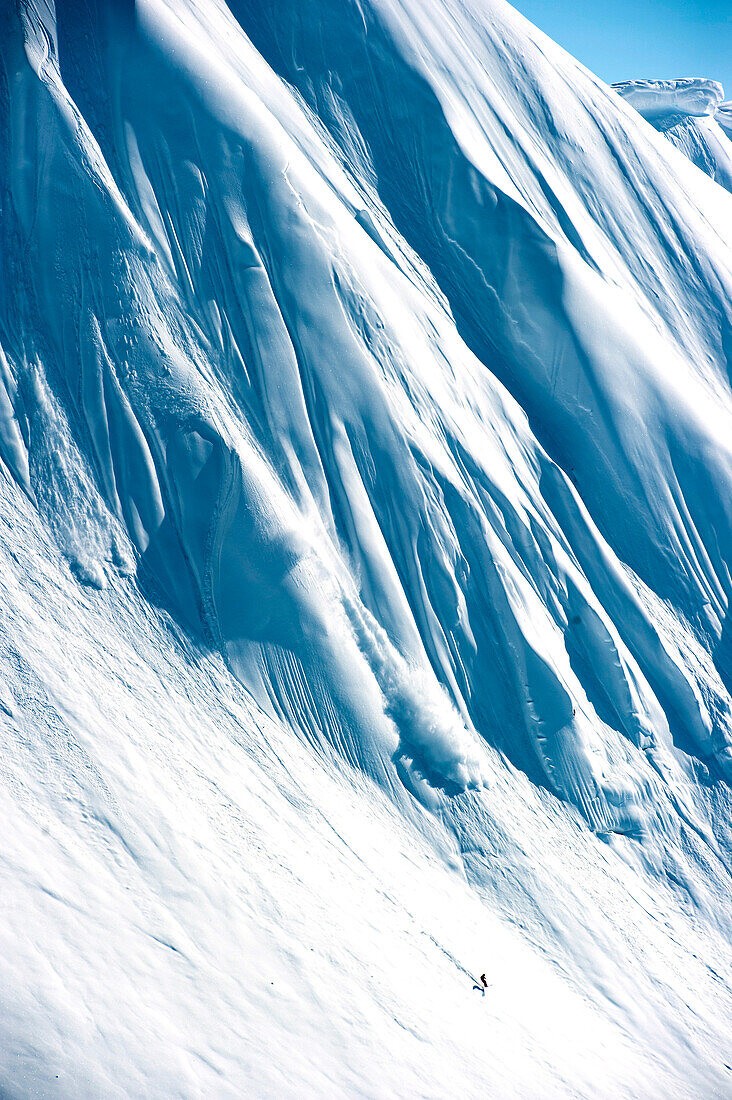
(692, 116)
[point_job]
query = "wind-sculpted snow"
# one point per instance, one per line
(723, 117)
(691, 114)
(663, 99)
(371, 361)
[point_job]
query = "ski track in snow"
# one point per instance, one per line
(366, 468)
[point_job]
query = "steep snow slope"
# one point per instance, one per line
(366, 536)
(687, 111)
(723, 116)
(195, 904)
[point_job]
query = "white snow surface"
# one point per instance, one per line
(693, 96)
(366, 475)
(723, 117)
(691, 114)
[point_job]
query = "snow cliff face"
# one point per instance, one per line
(659, 100)
(691, 114)
(723, 116)
(365, 421)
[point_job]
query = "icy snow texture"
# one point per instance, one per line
(367, 366)
(658, 99)
(691, 114)
(723, 116)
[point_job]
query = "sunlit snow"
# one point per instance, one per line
(366, 470)
(691, 114)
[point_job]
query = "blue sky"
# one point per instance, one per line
(622, 39)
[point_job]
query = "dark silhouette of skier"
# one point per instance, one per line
(483, 984)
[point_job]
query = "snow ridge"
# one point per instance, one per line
(691, 114)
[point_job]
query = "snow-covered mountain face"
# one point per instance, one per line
(692, 115)
(366, 437)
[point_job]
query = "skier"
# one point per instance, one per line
(483, 984)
